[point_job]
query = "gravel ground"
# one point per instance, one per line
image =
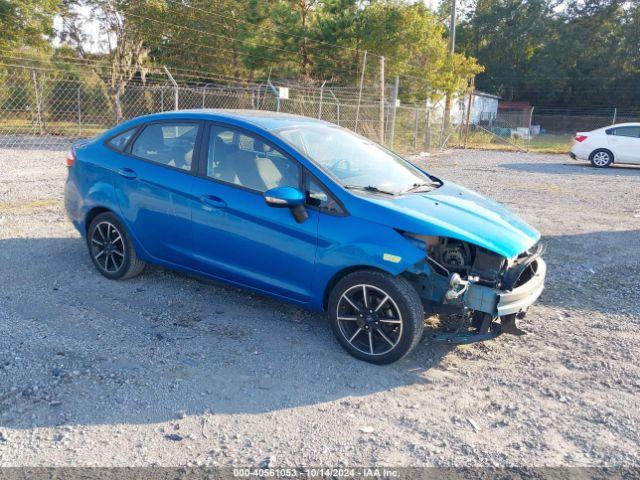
(171, 370)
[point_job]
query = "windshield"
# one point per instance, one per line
(356, 162)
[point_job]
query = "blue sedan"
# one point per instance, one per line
(307, 212)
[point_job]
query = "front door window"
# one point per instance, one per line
(245, 160)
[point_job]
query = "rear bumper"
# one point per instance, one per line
(580, 151)
(499, 303)
(73, 205)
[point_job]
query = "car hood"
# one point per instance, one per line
(457, 212)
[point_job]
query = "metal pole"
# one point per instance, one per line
(394, 106)
(320, 106)
(615, 114)
(427, 133)
(530, 122)
(337, 106)
(175, 88)
(38, 100)
(469, 105)
(267, 85)
(382, 100)
(275, 92)
(452, 49)
(364, 66)
(415, 130)
(204, 91)
(79, 114)
(452, 29)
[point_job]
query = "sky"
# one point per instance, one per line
(91, 28)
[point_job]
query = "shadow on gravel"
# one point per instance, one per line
(573, 169)
(76, 348)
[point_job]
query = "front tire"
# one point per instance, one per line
(376, 317)
(601, 158)
(111, 249)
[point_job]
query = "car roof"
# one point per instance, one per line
(627, 124)
(264, 119)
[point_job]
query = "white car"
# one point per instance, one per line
(618, 143)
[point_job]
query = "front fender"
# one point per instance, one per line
(347, 243)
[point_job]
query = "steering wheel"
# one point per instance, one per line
(337, 163)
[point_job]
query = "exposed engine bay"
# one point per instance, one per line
(453, 255)
(447, 256)
(483, 284)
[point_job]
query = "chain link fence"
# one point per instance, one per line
(49, 108)
(40, 107)
(568, 121)
(508, 127)
(544, 129)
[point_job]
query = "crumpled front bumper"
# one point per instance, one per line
(500, 303)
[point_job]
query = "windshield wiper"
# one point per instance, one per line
(368, 188)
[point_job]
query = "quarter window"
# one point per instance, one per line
(243, 159)
(625, 131)
(170, 144)
(120, 141)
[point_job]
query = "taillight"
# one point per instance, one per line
(581, 138)
(71, 157)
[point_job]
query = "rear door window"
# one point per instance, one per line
(170, 144)
(632, 131)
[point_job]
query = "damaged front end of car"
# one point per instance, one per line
(488, 290)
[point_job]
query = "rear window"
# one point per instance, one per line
(120, 141)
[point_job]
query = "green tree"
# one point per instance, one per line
(310, 39)
(129, 27)
(506, 36)
(27, 23)
(574, 53)
(413, 41)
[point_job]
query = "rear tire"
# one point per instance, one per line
(601, 158)
(111, 249)
(375, 316)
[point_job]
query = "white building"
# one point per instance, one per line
(484, 108)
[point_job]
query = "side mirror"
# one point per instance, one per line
(284, 197)
(288, 197)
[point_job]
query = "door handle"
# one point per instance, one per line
(126, 173)
(212, 201)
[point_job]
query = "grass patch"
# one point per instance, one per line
(540, 144)
(551, 144)
(18, 126)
